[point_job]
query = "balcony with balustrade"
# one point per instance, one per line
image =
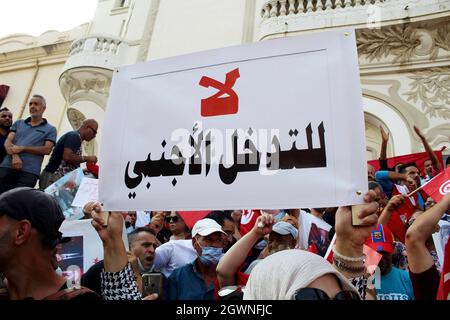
(87, 73)
(286, 16)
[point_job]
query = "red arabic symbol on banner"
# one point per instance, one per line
(216, 105)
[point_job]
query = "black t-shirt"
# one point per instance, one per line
(92, 278)
(2, 147)
(69, 140)
(425, 284)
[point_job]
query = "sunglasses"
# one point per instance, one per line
(170, 219)
(93, 130)
(317, 294)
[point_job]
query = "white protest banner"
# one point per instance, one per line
(84, 248)
(269, 125)
(88, 191)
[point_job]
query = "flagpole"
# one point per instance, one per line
(412, 193)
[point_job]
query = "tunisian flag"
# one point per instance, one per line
(439, 186)
(401, 216)
(248, 220)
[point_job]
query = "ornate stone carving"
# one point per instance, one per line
(395, 40)
(438, 135)
(403, 41)
(441, 40)
(432, 88)
(75, 117)
(88, 83)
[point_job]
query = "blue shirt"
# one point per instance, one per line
(382, 177)
(30, 136)
(396, 285)
(186, 283)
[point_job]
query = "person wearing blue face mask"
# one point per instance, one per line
(196, 280)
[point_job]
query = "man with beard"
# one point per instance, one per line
(5, 124)
(29, 232)
(395, 283)
(27, 143)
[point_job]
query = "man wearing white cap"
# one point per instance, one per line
(196, 280)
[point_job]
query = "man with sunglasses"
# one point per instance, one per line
(27, 143)
(67, 155)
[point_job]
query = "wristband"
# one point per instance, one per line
(349, 259)
(346, 268)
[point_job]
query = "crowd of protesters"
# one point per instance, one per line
(216, 257)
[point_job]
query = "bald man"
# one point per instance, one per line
(67, 155)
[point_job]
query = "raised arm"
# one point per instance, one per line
(348, 257)
(115, 253)
(419, 258)
(234, 258)
(117, 279)
(429, 150)
(384, 142)
(395, 203)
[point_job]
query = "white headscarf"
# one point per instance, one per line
(281, 274)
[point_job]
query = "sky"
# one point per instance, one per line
(35, 17)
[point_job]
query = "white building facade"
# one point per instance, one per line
(403, 45)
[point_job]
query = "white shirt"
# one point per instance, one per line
(142, 218)
(174, 254)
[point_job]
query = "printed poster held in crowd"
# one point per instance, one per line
(64, 191)
(228, 127)
(82, 246)
(441, 239)
(313, 233)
